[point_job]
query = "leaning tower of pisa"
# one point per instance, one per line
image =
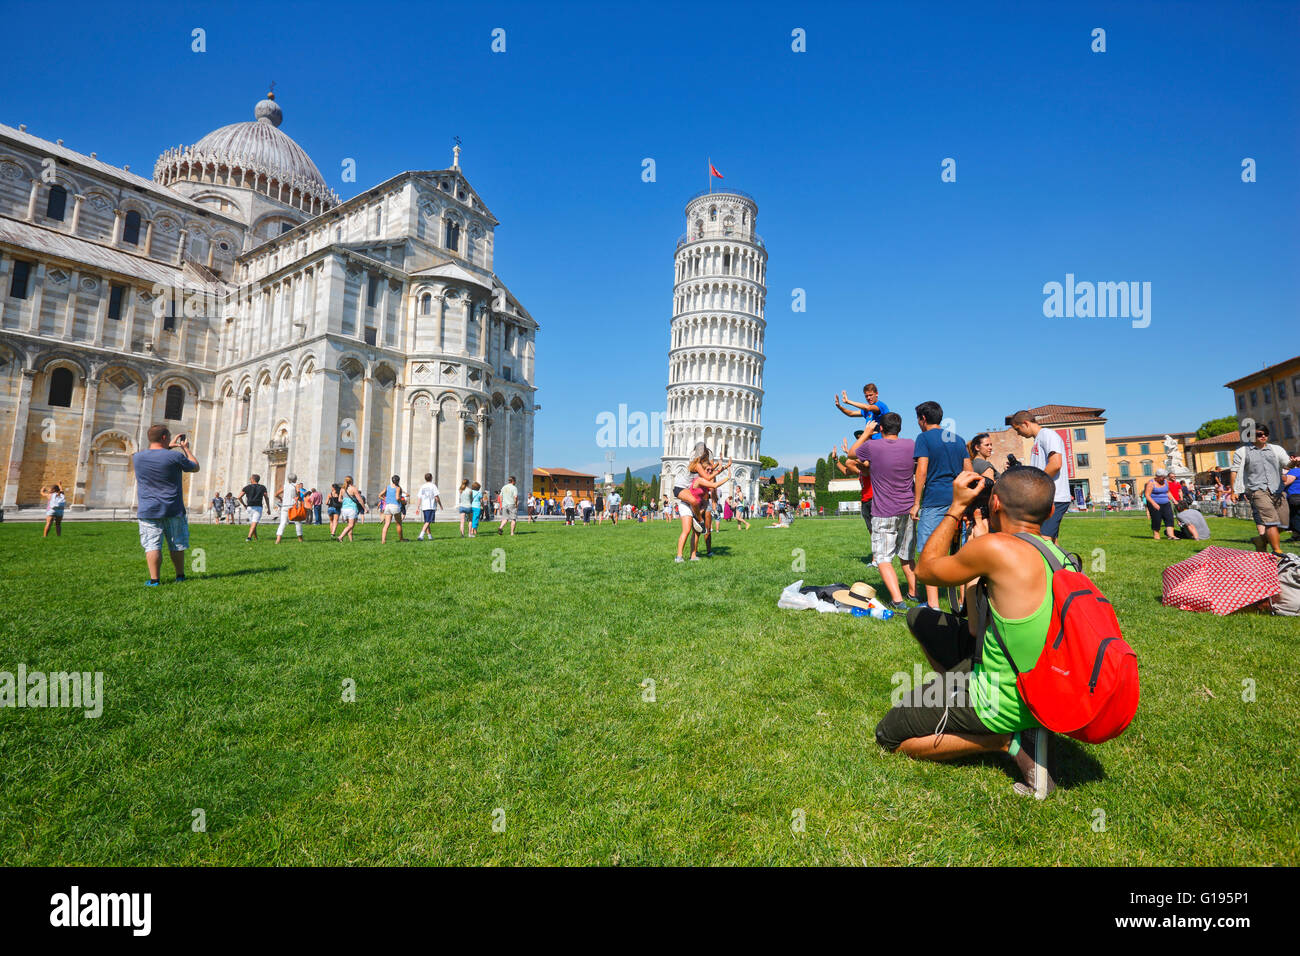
(715, 359)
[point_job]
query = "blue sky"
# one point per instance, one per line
(1115, 166)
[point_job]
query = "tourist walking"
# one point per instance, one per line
(394, 499)
(231, 506)
(463, 499)
(475, 508)
(218, 506)
(253, 497)
(429, 504)
(291, 506)
(509, 506)
(314, 502)
(353, 505)
(160, 507)
(333, 504)
(568, 508)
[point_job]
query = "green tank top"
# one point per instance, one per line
(996, 700)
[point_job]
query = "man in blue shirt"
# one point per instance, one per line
(160, 509)
(940, 457)
(870, 410)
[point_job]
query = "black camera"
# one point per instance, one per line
(980, 503)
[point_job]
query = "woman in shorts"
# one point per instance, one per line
(54, 505)
(333, 504)
(394, 499)
(354, 502)
(464, 499)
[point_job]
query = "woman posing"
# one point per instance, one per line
(54, 505)
(707, 479)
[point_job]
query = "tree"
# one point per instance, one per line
(822, 475)
(654, 489)
(767, 464)
(1217, 426)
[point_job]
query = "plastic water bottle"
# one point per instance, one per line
(879, 613)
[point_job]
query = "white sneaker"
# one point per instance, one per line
(699, 528)
(679, 559)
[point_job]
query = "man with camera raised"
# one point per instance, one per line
(160, 508)
(982, 712)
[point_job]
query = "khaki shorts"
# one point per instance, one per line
(892, 538)
(1270, 508)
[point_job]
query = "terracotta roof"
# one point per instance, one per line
(563, 472)
(1227, 438)
(803, 479)
(1060, 414)
(1265, 372)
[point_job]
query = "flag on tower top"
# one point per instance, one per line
(713, 171)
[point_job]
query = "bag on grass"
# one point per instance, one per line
(1287, 600)
(1085, 681)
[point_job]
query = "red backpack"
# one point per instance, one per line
(1085, 682)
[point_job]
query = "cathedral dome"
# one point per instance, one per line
(254, 154)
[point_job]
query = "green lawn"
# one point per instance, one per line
(522, 690)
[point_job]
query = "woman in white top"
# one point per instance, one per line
(290, 496)
(54, 511)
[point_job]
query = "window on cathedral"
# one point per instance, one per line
(370, 335)
(507, 373)
(115, 296)
(426, 304)
(379, 220)
(175, 409)
(18, 282)
(61, 388)
(713, 214)
(372, 291)
(131, 231)
(245, 404)
(57, 203)
(169, 318)
(451, 240)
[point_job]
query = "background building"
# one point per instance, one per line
(1083, 430)
(1271, 396)
(1132, 457)
(237, 299)
(1212, 454)
(556, 482)
(715, 357)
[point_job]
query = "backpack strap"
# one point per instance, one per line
(1049, 556)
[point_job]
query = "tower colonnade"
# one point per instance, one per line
(715, 358)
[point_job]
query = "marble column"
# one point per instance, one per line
(91, 390)
(75, 223)
(23, 407)
(462, 417)
(31, 200)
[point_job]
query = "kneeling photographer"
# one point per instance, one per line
(984, 713)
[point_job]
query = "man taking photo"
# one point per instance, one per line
(160, 508)
(974, 706)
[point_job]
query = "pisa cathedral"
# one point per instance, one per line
(234, 297)
(715, 358)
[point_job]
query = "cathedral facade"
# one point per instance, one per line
(235, 298)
